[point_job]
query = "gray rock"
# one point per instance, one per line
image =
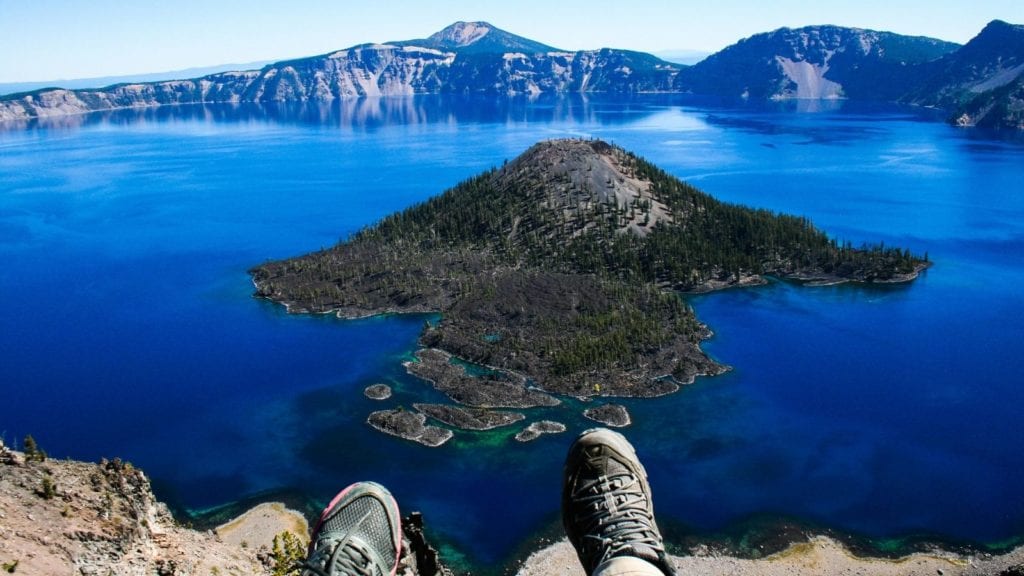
(469, 418)
(378, 392)
(538, 429)
(500, 389)
(410, 426)
(614, 415)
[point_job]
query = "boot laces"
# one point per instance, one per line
(345, 557)
(614, 515)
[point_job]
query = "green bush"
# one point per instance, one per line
(33, 453)
(287, 552)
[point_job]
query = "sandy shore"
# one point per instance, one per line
(258, 526)
(819, 556)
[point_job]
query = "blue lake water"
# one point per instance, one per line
(127, 326)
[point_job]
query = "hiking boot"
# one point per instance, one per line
(359, 534)
(606, 503)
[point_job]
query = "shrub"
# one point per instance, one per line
(32, 451)
(48, 489)
(286, 554)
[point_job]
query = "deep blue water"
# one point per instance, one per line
(127, 326)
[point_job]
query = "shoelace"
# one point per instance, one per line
(348, 558)
(612, 511)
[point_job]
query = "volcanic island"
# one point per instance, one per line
(560, 275)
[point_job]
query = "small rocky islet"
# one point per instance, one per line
(410, 426)
(538, 429)
(377, 392)
(469, 418)
(614, 415)
(560, 274)
(494, 388)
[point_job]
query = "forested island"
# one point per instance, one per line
(560, 272)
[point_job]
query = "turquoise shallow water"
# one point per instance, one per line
(127, 326)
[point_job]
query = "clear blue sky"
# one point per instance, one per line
(64, 39)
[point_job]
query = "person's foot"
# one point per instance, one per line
(359, 534)
(606, 502)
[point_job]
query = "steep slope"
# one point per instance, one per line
(815, 62)
(982, 83)
(560, 266)
(62, 517)
(467, 57)
(65, 517)
(223, 87)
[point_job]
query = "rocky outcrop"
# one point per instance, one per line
(377, 392)
(812, 556)
(469, 418)
(490, 389)
(62, 517)
(410, 426)
(66, 517)
(614, 415)
(538, 429)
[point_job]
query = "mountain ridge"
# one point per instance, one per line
(813, 62)
(980, 83)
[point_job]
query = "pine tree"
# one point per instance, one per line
(32, 451)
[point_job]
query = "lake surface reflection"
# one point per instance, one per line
(128, 326)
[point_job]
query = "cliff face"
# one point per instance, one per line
(467, 57)
(64, 517)
(982, 83)
(61, 517)
(224, 87)
(814, 62)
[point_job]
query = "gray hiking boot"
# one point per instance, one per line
(606, 502)
(359, 534)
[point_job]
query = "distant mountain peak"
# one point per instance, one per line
(998, 40)
(1000, 25)
(480, 38)
(998, 30)
(462, 33)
